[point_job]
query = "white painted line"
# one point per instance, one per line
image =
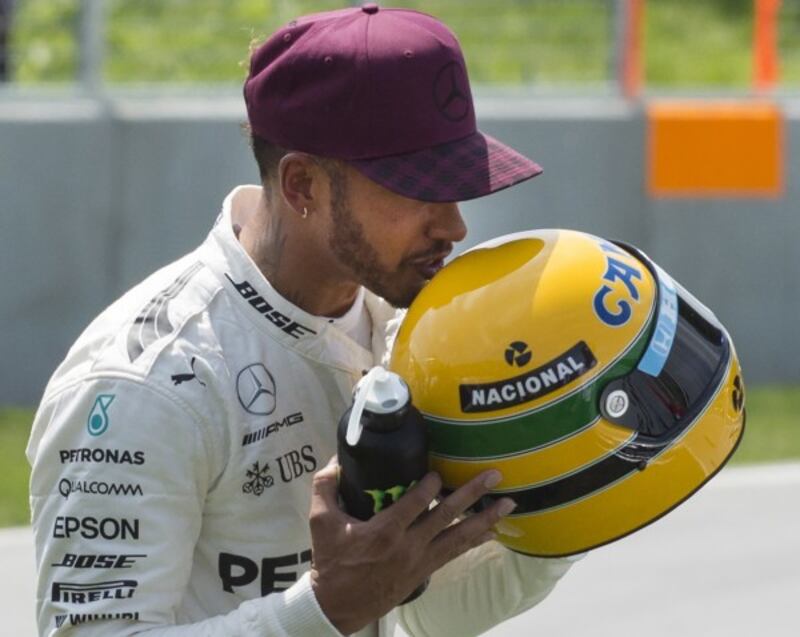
(16, 537)
(758, 475)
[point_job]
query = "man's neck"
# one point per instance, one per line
(289, 259)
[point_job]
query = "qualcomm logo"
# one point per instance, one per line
(67, 487)
(97, 422)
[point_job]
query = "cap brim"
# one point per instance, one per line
(460, 170)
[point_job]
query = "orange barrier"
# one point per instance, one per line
(714, 149)
(765, 45)
(632, 66)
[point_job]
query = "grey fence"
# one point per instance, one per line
(97, 194)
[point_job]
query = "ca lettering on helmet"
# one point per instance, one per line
(619, 312)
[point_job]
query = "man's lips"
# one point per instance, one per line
(428, 266)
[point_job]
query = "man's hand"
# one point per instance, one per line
(361, 570)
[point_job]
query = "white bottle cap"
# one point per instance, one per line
(379, 391)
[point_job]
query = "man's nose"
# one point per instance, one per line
(447, 224)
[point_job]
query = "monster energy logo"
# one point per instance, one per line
(97, 422)
(379, 496)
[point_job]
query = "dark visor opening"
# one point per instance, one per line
(661, 407)
(692, 372)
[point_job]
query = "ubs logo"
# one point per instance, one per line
(451, 92)
(255, 388)
(291, 465)
(258, 479)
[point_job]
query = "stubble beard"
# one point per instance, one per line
(348, 243)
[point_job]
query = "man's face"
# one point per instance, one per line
(391, 244)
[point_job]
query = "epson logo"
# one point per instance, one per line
(90, 528)
(529, 386)
(260, 304)
(83, 618)
(68, 487)
(76, 560)
(70, 593)
(108, 456)
(260, 434)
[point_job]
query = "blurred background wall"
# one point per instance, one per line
(120, 135)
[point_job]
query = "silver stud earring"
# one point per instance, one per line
(305, 212)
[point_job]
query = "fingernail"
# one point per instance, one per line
(506, 529)
(492, 479)
(507, 505)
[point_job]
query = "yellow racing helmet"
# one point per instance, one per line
(604, 392)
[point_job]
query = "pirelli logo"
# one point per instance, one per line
(72, 593)
(572, 364)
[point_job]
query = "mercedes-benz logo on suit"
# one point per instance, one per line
(256, 390)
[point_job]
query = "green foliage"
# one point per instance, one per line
(772, 433)
(699, 43)
(538, 42)
(15, 425)
(511, 42)
(772, 430)
(43, 43)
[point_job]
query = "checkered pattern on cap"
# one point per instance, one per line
(459, 170)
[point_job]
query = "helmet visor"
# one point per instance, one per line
(682, 367)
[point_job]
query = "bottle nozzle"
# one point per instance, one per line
(382, 392)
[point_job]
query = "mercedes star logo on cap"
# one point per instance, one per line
(451, 99)
(256, 390)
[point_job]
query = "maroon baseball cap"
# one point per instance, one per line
(385, 90)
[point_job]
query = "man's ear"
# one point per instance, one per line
(297, 173)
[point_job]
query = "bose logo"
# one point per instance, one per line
(260, 304)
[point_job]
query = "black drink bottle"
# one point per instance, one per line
(382, 447)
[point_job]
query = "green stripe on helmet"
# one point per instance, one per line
(531, 429)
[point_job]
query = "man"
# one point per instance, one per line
(180, 447)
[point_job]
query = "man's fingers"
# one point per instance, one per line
(470, 532)
(412, 504)
(325, 492)
(442, 516)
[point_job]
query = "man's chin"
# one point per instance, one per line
(401, 297)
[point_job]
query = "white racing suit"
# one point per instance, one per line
(173, 454)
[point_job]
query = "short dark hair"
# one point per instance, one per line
(267, 154)
(268, 157)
